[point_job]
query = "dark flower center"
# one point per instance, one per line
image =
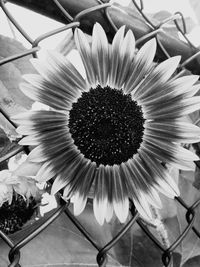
(106, 125)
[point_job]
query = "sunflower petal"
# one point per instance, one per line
(44, 91)
(58, 183)
(179, 131)
(45, 173)
(100, 209)
(56, 76)
(143, 207)
(100, 54)
(175, 109)
(157, 77)
(121, 209)
(70, 73)
(83, 179)
(30, 140)
(79, 203)
(85, 53)
(66, 174)
(140, 66)
(115, 56)
(100, 201)
(46, 137)
(126, 56)
(165, 182)
(144, 182)
(170, 154)
(41, 116)
(109, 213)
(167, 67)
(180, 88)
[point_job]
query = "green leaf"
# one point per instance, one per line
(194, 262)
(12, 100)
(11, 74)
(190, 246)
(6, 148)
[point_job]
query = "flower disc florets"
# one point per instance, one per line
(106, 125)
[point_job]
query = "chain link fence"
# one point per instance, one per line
(189, 53)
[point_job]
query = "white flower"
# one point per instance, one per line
(111, 131)
(10, 184)
(6, 190)
(26, 187)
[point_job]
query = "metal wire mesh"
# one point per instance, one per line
(102, 252)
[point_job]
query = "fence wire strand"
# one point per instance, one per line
(102, 252)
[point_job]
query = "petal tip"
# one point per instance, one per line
(121, 210)
(79, 204)
(100, 208)
(175, 60)
(151, 45)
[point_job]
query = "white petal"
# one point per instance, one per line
(175, 150)
(100, 54)
(45, 173)
(66, 172)
(83, 179)
(25, 130)
(167, 156)
(141, 65)
(163, 181)
(157, 77)
(67, 193)
(56, 76)
(168, 67)
(44, 116)
(121, 209)
(153, 198)
(58, 183)
(100, 209)
(42, 90)
(143, 208)
(174, 109)
(143, 181)
(79, 203)
(109, 213)
(71, 74)
(85, 53)
(181, 87)
(179, 131)
(115, 56)
(30, 140)
(126, 56)
(37, 155)
(28, 168)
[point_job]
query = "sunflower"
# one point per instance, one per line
(110, 136)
